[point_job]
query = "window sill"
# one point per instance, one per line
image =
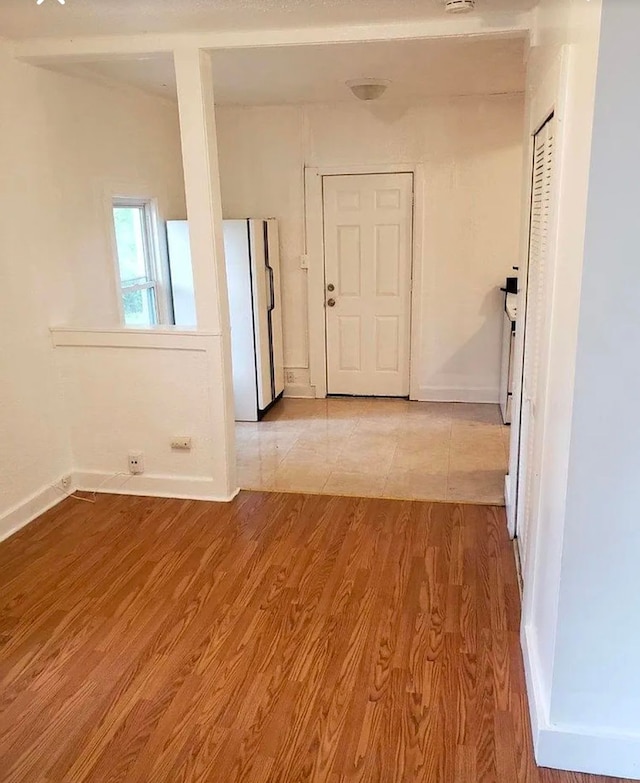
(163, 338)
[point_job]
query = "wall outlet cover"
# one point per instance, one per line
(65, 482)
(181, 443)
(136, 463)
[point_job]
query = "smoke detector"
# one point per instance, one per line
(459, 6)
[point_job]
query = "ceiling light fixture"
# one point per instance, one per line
(368, 89)
(459, 6)
(40, 2)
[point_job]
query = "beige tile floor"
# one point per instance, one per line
(377, 448)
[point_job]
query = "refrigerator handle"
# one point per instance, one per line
(272, 290)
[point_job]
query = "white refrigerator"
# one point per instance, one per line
(252, 260)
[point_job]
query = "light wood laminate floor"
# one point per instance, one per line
(279, 638)
(377, 448)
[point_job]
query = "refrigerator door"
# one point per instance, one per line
(181, 273)
(275, 313)
(241, 309)
(262, 303)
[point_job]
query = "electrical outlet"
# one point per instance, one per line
(65, 483)
(290, 376)
(304, 261)
(136, 462)
(181, 443)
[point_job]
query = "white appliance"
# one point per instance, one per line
(508, 345)
(252, 261)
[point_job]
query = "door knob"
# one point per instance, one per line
(331, 302)
(331, 287)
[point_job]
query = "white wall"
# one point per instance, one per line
(34, 448)
(134, 390)
(130, 390)
(64, 141)
(596, 681)
(471, 149)
(580, 629)
(98, 140)
(562, 74)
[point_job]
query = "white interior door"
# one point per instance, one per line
(368, 251)
(536, 328)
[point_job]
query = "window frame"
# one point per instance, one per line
(152, 258)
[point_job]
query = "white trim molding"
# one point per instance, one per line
(482, 394)
(538, 707)
(575, 748)
(165, 338)
(36, 504)
(572, 747)
(314, 234)
(45, 50)
(300, 390)
(155, 242)
(182, 487)
(50, 495)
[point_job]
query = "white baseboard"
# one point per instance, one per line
(573, 747)
(21, 514)
(301, 390)
(47, 497)
(181, 487)
(510, 505)
(538, 707)
(453, 394)
(579, 749)
(188, 488)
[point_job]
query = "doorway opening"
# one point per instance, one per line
(398, 223)
(364, 436)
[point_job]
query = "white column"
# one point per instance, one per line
(202, 186)
(204, 211)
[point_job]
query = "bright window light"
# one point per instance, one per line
(133, 223)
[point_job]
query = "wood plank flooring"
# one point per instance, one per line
(276, 639)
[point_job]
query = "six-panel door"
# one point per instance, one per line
(368, 251)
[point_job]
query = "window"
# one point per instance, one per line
(135, 233)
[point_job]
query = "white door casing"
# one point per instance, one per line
(536, 320)
(368, 254)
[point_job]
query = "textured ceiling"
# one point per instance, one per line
(23, 18)
(317, 74)
(417, 69)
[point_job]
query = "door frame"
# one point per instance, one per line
(522, 404)
(550, 100)
(314, 263)
(552, 97)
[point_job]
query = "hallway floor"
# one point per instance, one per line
(377, 448)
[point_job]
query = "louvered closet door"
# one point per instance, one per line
(537, 324)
